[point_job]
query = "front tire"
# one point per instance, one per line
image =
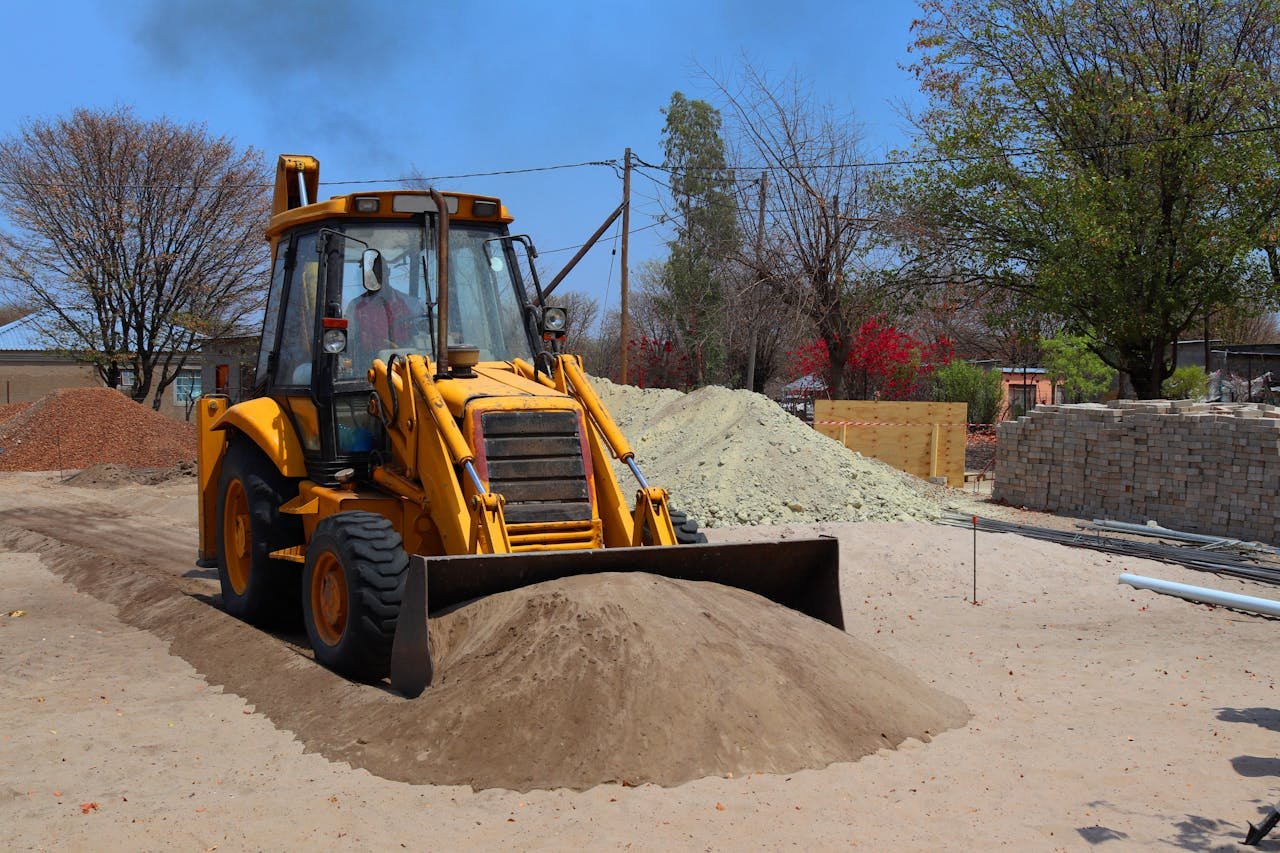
(687, 532)
(255, 587)
(686, 529)
(352, 587)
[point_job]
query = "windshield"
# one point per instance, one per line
(484, 309)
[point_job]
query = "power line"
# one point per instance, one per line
(962, 158)
(542, 252)
(524, 171)
(730, 204)
(353, 181)
(608, 282)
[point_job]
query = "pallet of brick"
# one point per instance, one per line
(1200, 467)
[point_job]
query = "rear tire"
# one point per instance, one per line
(352, 587)
(251, 490)
(687, 532)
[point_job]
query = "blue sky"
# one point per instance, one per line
(376, 89)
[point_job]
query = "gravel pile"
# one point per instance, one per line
(83, 427)
(8, 410)
(735, 457)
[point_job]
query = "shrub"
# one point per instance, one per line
(1067, 359)
(961, 382)
(1186, 383)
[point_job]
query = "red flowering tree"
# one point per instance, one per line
(884, 362)
(658, 364)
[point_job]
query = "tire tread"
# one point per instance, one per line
(374, 561)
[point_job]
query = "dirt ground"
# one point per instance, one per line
(1101, 716)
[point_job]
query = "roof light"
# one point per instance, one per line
(484, 208)
(421, 203)
(367, 204)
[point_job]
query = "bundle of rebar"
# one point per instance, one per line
(1217, 562)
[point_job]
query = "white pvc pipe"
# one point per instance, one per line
(1203, 595)
(1157, 530)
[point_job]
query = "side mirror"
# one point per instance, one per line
(371, 269)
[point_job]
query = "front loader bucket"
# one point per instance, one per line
(802, 574)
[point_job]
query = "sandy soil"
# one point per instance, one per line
(1102, 716)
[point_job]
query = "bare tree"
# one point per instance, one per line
(817, 253)
(601, 350)
(582, 312)
(137, 239)
(1245, 324)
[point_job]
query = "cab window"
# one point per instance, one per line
(297, 326)
(272, 314)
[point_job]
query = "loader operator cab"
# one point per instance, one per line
(347, 291)
(389, 296)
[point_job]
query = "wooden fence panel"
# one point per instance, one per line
(924, 439)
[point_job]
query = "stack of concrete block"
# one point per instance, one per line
(1206, 468)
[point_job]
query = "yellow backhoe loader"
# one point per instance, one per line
(416, 439)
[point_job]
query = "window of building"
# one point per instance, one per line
(1022, 399)
(187, 387)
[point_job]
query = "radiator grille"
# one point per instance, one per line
(535, 462)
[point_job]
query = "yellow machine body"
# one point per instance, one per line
(432, 475)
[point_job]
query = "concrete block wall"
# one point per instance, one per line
(1205, 468)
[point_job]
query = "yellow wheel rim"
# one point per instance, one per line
(329, 598)
(237, 537)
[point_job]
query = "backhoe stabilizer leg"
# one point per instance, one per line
(411, 668)
(652, 514)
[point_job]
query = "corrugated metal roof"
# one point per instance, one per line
(812, 382)
(28, 334)
(24, 334)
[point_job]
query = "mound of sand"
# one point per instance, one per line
(572, 683)
(637, 678)
(110, 475)
(82, 427)
(735, 457)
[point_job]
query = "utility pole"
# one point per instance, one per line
(625, 325)
(755, 318)
(1206, 341)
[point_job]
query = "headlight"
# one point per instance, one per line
(334, 340)
(554, 320)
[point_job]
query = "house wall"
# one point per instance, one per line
(25, 377)
(171, 406)
(1043, 390)
(22, 382)
(228, 367)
